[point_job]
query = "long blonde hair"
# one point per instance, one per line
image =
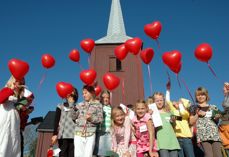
(165, 106)
(114, 112)
(11, 84)
(141, 101)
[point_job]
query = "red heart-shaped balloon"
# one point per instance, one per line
(88, 76)
(153, 30)
(120, 52)
(147, 55)
(74, 55)
(203, 52)
(64, 89)
(18, 68)
(176, 69)
(50, 152)
(111, 81)
(5, 93)
(134, 45)
(87, 45)
(98, 90)
(47, 61)
(172, 59)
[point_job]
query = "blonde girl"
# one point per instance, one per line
(144, 130)
(121, 134)
(167, 142)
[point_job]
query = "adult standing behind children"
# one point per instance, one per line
(224, 125)
(10, 141)
(103, 135)
(87, 116)
(64, 126)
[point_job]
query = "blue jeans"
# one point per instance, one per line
(186, 147)
(168, 153)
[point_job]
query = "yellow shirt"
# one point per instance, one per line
(181, 128)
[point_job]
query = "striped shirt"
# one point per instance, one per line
(106, 124)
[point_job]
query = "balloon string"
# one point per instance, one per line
(158, 44)
(123, 91)
(111, 97)
(42, 80)
(211, 69)
(138, 70)
(188, 91)
(150, 81)
(213, 72)
(178, 80)
(88, 59)
(169, 79)
(81, 67)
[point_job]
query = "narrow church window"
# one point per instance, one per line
(114, 64)
(118, 65)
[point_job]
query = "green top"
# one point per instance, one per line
(166, 137)
(106, 124)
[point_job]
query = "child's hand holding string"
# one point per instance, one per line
(88, 117)
(153, 154)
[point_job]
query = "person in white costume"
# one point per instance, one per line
(10, 142)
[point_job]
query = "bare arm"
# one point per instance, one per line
(127, 133)
(193, 119)
(150, 128)
(151, 131)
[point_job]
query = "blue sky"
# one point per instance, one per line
(31, 28)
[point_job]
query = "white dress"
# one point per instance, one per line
(10, 140)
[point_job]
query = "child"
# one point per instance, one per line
(166, 138)
(182, 129)
(87, 115)
(103, 136)
(207, 130)
(224, 125)
(64, 126)
(121, 134)
(144, 131)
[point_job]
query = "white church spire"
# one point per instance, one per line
(116, 32)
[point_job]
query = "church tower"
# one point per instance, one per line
(129, 70)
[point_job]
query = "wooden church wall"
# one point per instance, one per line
(131, 72)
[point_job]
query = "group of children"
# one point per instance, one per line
(103, 130)
(94, 126)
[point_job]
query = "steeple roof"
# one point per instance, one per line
(116, 32)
